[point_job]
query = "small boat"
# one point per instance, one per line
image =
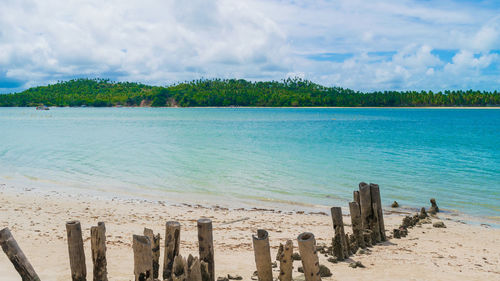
(42, 107)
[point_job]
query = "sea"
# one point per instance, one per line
(277, 157)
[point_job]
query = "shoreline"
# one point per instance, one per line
(459, 252)
(285, 107)
(230, 203)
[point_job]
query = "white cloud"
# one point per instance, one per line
(161, 42)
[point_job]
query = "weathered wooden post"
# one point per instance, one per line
(206, 245)
(179, 271)
(16, 256)
(340, 245)
(375, 192)
(309, 256)
(143, 258)
(172, 247)
(98, 247)
(262, 252)
(155, 250)
(194, 269)
(355, 195)
(365, 203)
(357, 228)
(286, 262)
(76, 252)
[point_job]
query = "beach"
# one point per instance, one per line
(36, 218)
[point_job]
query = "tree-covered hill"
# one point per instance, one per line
(232, 92)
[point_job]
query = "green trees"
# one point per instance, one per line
(234, 92)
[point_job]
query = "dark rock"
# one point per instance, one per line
(423, 214)
(396, 234)
(296, 257)
(222, 279)
(434, 207)
(324, 271)
(234, 277)
(395, 204)
(300, 269)
(439, 224)
(332, 260)
(356, 265)
(275, 264)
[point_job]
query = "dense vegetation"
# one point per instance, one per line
(232, 92)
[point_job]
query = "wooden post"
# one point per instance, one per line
(179, 271)
(143, 259)
(355, 195)
(98, 247)
(377, 237)
(16, 256)
(194, 270)
(205, 275)
(76, 252)
(365, 200)
(262, 252)
(172, 247)
(340, 247)
(375, 192)
(155, 250)
(206, 245)
(357, 228)
(286, 261)
(309, 256)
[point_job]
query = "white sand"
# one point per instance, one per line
(37, 221)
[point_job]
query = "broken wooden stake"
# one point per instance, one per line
(76, 252)
(172, 245)
(262, 252)
(155, 250)
(206, 245)
(16, 256)
(309, 256)
(286, 261)
(357, 227)
(98, 247)
(193, 269)
(375, 192)
(143, 258)
(340, 245)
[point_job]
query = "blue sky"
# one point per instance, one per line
(363, 45)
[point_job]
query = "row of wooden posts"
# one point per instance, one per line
(367, 224)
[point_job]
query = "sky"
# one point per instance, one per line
(363, 45)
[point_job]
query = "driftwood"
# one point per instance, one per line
(375, 192)
(155, 250)
(98, 247)
(309, 256)
(206, 245)
(143, 258)
(286, 262)
(76, 252)
(16, 256)
(193, 269)
(357, 228)
(262, 252)
(340, 245)
(172, 244)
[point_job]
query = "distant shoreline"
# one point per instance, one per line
(285, 107)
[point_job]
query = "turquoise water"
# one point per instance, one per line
(304, 156)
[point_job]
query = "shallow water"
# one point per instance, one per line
(304, 156)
